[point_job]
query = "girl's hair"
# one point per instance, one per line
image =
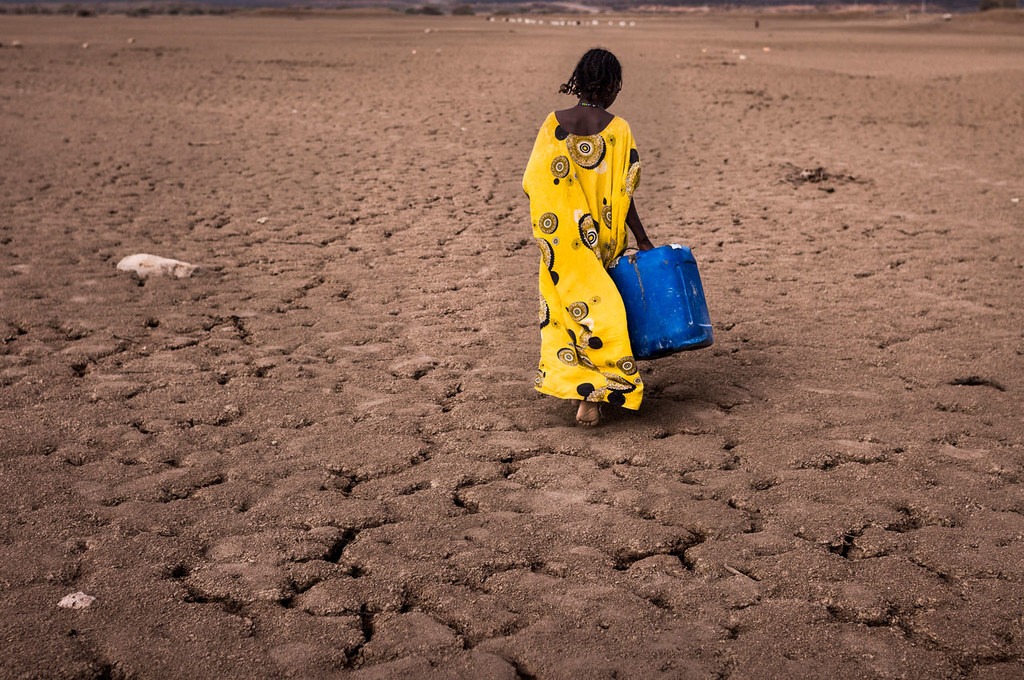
(597, 74)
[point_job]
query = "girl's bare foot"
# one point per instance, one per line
(589, 414)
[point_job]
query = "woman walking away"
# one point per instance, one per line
(580, 180)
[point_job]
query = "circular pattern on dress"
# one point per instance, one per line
(588, 230)
(548, 222)
(608, 249)
(616, 399)
(560, 166)
(585, 390)
(606, 216)
(586, 151)
(627, 365)
(567, 356)
(585, 360)
(578, 310)
(547, 253)
(595, 343)
(632, 179)
(560, 133)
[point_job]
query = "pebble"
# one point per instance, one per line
(77, 600)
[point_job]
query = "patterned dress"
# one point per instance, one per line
(580, 189)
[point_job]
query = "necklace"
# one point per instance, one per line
(589, 105)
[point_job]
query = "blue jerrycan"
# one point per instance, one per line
(664, 300)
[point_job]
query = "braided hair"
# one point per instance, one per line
(597, 75)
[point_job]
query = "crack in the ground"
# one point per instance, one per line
(519, 668)
(913, 519)
(336, 549)
(414, 487)
(354, 655)
(625, 558)
(883, 618)
(938, 573)
(229, 604)
(846, 543)
(177, 493)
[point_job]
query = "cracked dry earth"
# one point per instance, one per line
(322, 456)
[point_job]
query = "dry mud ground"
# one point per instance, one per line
(322, 456)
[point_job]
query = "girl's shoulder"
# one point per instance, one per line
(619, 124)
(618, 130)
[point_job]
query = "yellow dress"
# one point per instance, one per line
(580, 189)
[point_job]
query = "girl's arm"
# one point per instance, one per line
(637, 227)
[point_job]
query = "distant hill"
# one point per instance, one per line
(447, 5)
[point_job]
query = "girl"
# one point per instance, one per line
(580, 181)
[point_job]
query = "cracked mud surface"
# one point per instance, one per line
(322, 455)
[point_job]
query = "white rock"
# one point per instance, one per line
(77, 600)
(144, 265)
